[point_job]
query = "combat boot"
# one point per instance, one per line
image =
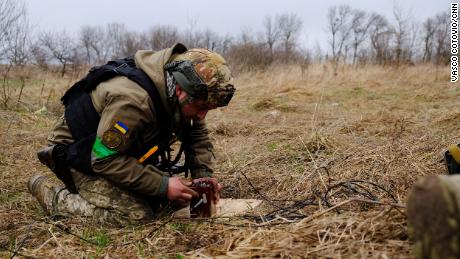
(54, 157)
(434, 217)
(43, 191)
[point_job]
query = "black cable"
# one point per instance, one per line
(260, 194)
(291, 209)
(15, 252)
(348, 185)
(22, 243)
(286, 212)
(66, 230)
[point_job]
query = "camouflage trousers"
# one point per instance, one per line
(433, 212)
(100, 200)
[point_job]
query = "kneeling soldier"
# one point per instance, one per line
(111, 148)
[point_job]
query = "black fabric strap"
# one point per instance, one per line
(143, 80)
(81, 117)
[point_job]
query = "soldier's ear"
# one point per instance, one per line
(180, 93)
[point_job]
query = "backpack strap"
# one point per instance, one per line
(121, 67)
(143, 80)
(165, 123)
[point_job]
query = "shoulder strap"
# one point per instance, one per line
(95, 76)
(142, 79)
(120, 67)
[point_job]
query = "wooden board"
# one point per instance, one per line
(235, 207)
(225, 208)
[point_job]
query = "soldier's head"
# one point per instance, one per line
(204, 81)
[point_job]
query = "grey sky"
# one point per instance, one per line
(221, 16)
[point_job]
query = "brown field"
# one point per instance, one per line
(348, 147)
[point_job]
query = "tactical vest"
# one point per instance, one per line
(83, 119)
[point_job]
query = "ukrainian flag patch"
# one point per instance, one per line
(120, 126)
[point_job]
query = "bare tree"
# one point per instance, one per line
(162, 36)
(210, 40)
(246, 36)
(339, 22)
(133, 41)
(429, 30)
(414, 31)
(94, 41)
(14, 40)
(39, 55)
(87, 35)
(317, 53)
(360, 25)
(192, 36)
(115, 36)
(11, 11)
(442, 51)
(246, 53)
(380, 36)
(402, 36)
(289, 27)
(60, 46)
(305, 59)
(225, 44)
(271, 34)
(248, 56)
(19, 42)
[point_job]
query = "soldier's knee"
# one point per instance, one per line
(433, 216)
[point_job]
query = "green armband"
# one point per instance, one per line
(101, 151)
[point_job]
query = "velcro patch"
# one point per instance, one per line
(120, 126)
(112, 139)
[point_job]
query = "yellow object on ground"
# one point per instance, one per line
(455, 152)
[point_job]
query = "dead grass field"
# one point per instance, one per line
(285, 137)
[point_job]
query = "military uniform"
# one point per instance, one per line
(433, 211)
(122, 187)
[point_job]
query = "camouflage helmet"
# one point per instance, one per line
(204, 75)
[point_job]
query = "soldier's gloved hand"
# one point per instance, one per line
(217, 186)
(178, 190)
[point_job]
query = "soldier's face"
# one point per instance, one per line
(195, 109)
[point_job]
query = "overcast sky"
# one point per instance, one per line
(221, 16)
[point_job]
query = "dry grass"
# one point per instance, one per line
(289, 135)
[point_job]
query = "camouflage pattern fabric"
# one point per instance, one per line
(97, 199)
(116, 201)
(434, 217)
(213, 71)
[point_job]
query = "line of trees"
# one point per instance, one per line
(355, 37)
(360, 37)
